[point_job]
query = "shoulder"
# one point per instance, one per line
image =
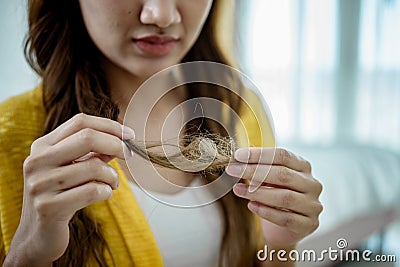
(21, 120)
(25, 111)
(257, 121)
(29, 101)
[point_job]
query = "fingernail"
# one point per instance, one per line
(242, 154)
(109, 191)
(128, 153)
(115, 174)
(234, 170)
(127, 133)
(240, 189)
(253, 206)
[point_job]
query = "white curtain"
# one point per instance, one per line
(329, 70)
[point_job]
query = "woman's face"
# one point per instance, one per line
(144, 36)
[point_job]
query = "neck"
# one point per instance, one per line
(122, 86)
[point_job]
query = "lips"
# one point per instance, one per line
(155, 45)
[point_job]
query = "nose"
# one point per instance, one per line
(162, 13)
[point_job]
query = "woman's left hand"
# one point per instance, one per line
(286, 197)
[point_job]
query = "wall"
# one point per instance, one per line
(15, 74)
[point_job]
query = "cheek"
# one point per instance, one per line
(194, 14)
(106, 17)
(96, 11)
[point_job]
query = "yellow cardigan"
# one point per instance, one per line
(125, 227)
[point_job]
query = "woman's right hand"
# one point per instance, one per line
(66, 171)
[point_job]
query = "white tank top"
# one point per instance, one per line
(185, 236)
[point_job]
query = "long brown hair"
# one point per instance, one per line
(60, 50)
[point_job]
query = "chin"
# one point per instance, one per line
(149, 69)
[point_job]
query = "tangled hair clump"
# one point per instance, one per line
(200, 153)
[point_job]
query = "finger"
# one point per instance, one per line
(70, 176)
(63, 205)
(82, 121)
(90, 155)
(281, 199)
(82, 143)
(296, 223)
(273, 156)
(272, 175)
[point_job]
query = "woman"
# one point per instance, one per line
(65, 170)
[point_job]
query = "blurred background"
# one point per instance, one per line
(330, 69)
(330, 73)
